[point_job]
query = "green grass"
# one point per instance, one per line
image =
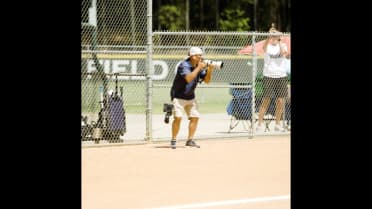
(211, 100)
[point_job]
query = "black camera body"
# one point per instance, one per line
(168, 109)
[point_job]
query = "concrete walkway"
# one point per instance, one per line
(210, 126)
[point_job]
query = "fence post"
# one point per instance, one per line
(254, 73)
(150, 72)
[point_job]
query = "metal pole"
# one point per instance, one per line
(217, 14)
(92, 13)
(133, 23)
(187, 15)
(254, 73)
(104, 23)
(150, 72)
(93, 22)
(201, 14)
(187, 21)
(255, 15)
(159, 5)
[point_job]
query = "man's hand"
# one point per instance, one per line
(208, 76)
(273, 30)
(202, 65)
(191, 76)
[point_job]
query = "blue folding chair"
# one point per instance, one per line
(240, 107)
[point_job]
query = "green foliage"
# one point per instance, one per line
(170, 18)
(234, 20)
(239, 3)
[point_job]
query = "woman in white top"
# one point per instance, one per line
(274, 78)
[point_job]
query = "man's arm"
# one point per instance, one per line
(265, 44)
(191, 76)
(283, 50)
(208, 76)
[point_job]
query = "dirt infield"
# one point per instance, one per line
(231, 173)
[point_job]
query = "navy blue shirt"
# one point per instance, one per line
(180, 88)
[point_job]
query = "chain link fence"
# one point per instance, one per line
(122, 97)
(119, 24)
(226, 104)
(114, 82)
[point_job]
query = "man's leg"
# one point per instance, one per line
(177, 116)
(263, 108)
(193, 115)
(281, 92)
(266, 98)
(279, 110)
(193, 124)
(176, 127)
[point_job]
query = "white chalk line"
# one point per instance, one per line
(227, 202)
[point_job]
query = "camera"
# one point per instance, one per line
(217, 64)
(168, 109)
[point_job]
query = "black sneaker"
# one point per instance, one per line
(173, 144)
(191, 143)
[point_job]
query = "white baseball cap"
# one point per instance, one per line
(195, 50)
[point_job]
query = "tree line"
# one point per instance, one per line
(221, 15)
(124, 22)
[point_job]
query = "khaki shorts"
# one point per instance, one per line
(189, 106)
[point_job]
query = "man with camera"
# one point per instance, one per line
(189, 72)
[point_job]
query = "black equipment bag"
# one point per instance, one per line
(116, 121)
